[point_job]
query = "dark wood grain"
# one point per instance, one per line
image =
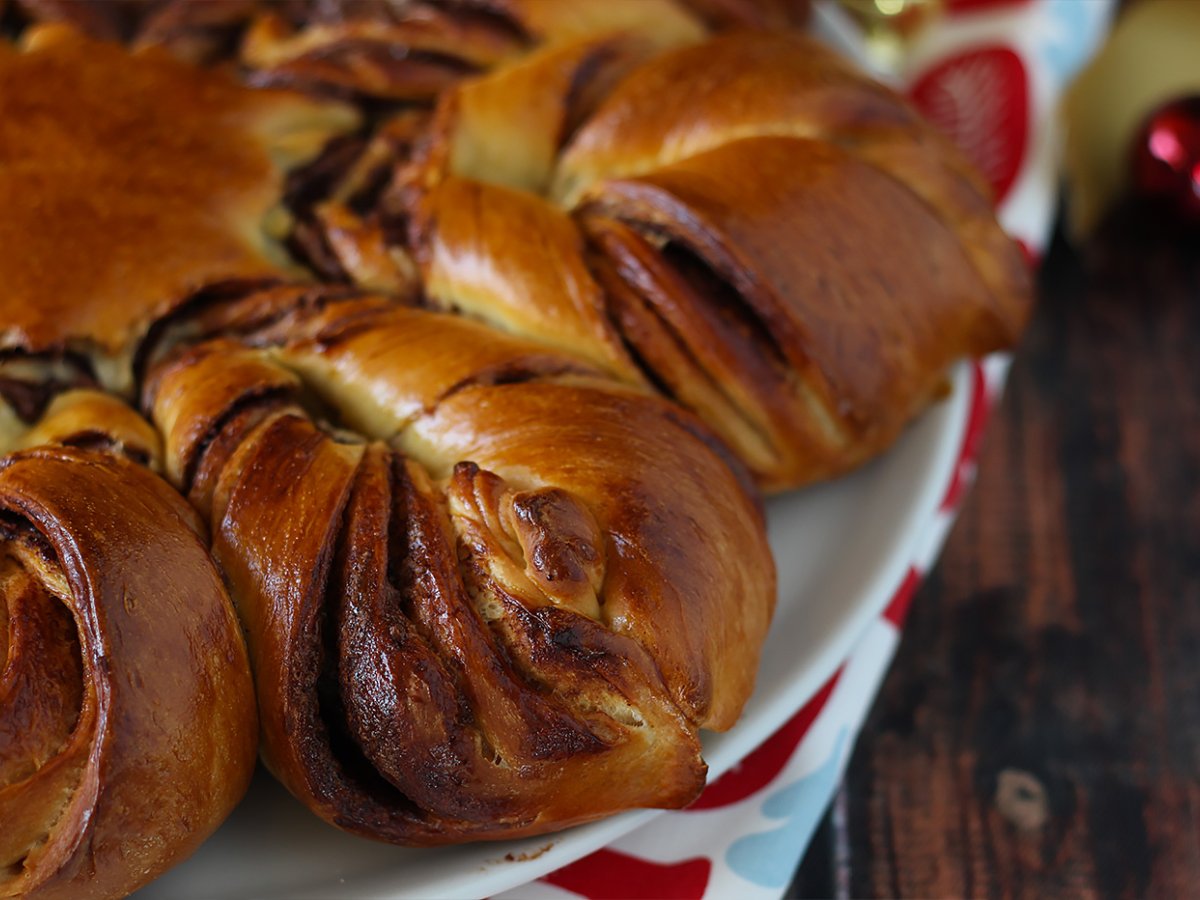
(1039, 733)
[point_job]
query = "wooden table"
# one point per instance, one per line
(1039, 732)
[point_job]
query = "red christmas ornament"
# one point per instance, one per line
(1166, 157)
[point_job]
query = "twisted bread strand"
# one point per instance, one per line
(495, 613)
(746, 224)
(127, 725)
(127, 719)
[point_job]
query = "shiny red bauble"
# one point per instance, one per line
(1166, 158)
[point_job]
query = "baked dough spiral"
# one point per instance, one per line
(487, 591)
(127, 719)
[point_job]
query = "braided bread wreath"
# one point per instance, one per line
(469, 331)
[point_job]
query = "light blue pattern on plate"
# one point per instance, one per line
(769, 858)
(1072, 31)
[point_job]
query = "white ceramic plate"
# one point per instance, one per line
(842, 550)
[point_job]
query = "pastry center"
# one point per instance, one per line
(128, 181)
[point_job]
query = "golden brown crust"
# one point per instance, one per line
(693, 100)
(92, 420)
(392, 56)
(116, 207)
(508, 127)
(752, 13)
(748, 83)
(517, 262)
(858, 341)
(127, 728)
(755, 228)
(498, 573)
(552, 22)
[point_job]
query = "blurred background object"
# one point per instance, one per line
(889, 24)
(1132, 118)
(1166, 158)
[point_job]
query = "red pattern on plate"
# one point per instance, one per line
(976, 420)
(760, 767)
(980, 98)
(610, 874)
(1033, 256)
(898, 606)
